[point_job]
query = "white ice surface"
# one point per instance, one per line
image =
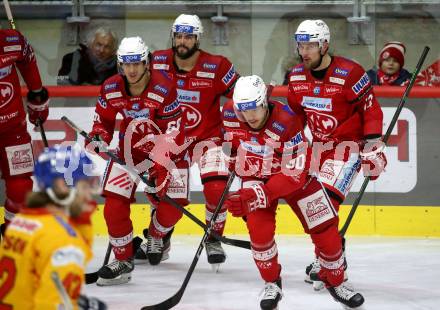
(391, 273)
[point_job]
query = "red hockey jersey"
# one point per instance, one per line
(339, 107)
(16, 53)
(155, 113)
(199, 90)
(269, 150)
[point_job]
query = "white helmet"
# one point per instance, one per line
(249, 93)
(132, 49)
(189, 24)
(313, 31)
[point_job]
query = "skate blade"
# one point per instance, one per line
(122, 279)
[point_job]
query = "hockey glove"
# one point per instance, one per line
(90, 303)
(162, 181)
(247, 200)
(373, 158)
(98, 143)
(38, 105)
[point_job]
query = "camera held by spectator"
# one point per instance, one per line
(391, 71)
(92, 63)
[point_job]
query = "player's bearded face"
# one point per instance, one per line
(310, 54)
(185, 45)
(255, 118)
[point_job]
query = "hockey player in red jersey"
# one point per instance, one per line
(152, 128)
(335, 98)
(16, 158)
(201, 79)
(272, 158)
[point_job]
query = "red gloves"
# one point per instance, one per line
(38, 105)
(162, 179)
(373, 159)
(247, 200)
(99, 140)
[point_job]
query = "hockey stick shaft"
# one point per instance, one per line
(61, 290)
(9, 13)
(42, 132)
(174, 300)
(233, 242)
(386, 137)
(239, 243)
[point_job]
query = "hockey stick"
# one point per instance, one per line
(9, 13)
(385, 138)
(233, 242)
(61, 290)
(42, 132)
(174, 300)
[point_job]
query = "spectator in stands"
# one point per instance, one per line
(391, 71)
(430, 76)
(92, 63)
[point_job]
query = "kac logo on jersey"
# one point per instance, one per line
(229, 114)
(209, 66)
(317, 90)
(135, 106)
(278, 126)
(229, 75)
(161, 89)
(171, 107)
(319, 104)
(341, 72)
(6, 93)
(180, 83)
(160, 58)
(360, 85)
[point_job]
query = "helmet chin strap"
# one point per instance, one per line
(321, 57)
(62, 202)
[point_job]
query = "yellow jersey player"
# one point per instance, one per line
(51, 234)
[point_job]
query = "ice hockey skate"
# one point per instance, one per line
(215, 254)
(272, 295)
(116, 272)
(346, 295)
(141, 256)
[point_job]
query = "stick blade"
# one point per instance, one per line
(91, 277)
(166, 304)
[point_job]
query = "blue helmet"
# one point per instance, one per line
(60, 161)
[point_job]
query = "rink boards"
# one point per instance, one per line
(368, 220)
(417, 221)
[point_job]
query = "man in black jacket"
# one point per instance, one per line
(91, 64)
